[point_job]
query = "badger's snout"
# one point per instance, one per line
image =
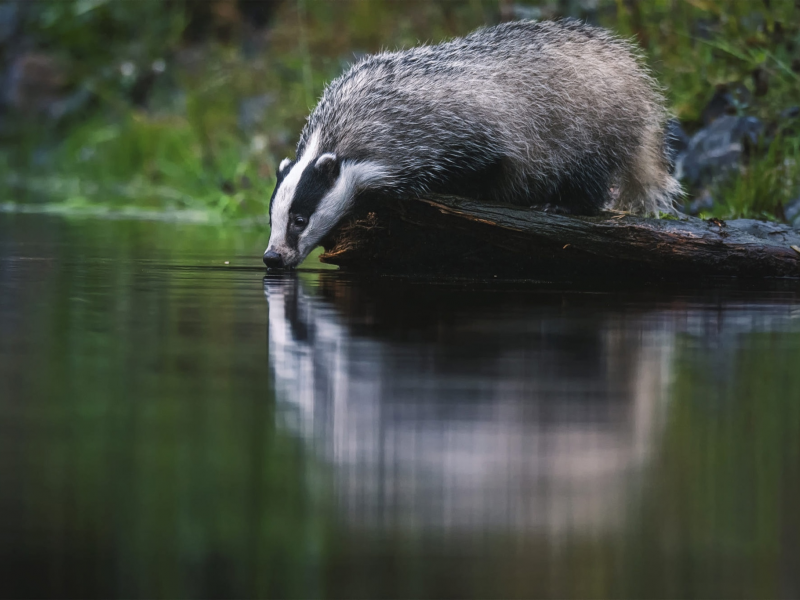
(273, 260)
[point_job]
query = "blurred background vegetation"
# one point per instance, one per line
(188, 105)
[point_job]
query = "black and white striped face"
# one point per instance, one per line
(307, 203)
(312, 195)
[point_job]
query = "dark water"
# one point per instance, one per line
(171, 426)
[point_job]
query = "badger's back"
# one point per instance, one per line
(523, 112)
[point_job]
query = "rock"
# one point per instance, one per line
(788, 123)
(752, 21)
(792, 213)
(71, 104)
(36, 83)
(717, 150)
(676, 139)
(9, 21)
(704, 202)
(727, 100)
(720, 104)
(703, 29)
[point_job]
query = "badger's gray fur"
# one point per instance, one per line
(548, 113)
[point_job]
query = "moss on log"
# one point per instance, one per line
(446, 234)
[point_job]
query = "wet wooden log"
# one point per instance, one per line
(450, 235)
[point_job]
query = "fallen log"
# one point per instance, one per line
(451, 235)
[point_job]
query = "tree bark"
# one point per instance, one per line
(457, 236)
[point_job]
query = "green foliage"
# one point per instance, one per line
(187, 149)
(162, 162)
(98, 33)
(186, 145)
(696, 45)
(762, 188)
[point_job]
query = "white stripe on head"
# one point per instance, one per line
(353, 178)
(285, 196)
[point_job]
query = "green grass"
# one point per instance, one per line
(740, 37)
(187, 151)
(160, 162)
(762, 189)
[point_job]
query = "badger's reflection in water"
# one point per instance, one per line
(461, 408)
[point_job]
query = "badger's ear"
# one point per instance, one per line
(284, 163)
(328, 164)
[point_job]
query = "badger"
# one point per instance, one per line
(545, 114)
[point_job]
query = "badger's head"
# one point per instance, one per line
(312, 195)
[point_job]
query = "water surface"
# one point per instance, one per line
(172, 425)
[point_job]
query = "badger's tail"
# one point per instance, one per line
(646, 186)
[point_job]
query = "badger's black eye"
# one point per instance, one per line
(300, 222)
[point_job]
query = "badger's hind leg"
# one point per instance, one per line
(645, 185)
(581, 191)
